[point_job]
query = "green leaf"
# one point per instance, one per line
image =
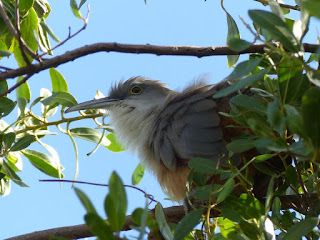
(241, 145)
(238, 45)
(25, 5)
(249, 103)
(47, 111)
(14, 161)
(242, 83)
(276, 28)
(187, 223)
(27, 29)
(6, 106)
(137, 174)
(294, 120)
(312, 6)
(59, 84)
(23, 91)
(8, 139)
(203, 165)
(5, 53)
(244, 68)
(298, 230)
(116, 203)
(99, 227)
(275, 117)
(85, 201)
(310, 115)
(12, 175)
(90, 134)
(233, 32)
(43, 162)
(3, 86)
(264, 157)
(114, 145)
(291, 176)
(75, 9)
(226, 190)
(162, 223)
(49, 31)
(250, 229)
(62, 98)
(228, 228)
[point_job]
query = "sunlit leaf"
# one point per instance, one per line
(137, 174)
(63, 98)
(91, 135)
(43, 162)
(233, 32)
(5, 186)
(115, 146)
(59, 83)
(27, 29)
(75, 9)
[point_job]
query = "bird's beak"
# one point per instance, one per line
(101, 103)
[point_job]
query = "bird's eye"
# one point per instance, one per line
(135, 90)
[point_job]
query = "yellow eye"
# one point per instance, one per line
(135, 90)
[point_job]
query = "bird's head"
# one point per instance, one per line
(136, 93)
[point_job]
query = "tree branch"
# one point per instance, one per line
(173, 215)
(137, 49)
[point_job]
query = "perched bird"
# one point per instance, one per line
(167, 128)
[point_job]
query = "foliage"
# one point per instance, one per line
(281, 121)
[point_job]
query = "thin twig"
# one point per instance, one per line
(149, 196)
(16, 85)
(138, 49)
(70, 35)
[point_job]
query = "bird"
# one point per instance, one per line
(168, 128)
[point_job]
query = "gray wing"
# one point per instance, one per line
(188, 128)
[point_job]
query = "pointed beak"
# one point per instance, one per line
(102, 103)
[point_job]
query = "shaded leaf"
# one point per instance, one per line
(99, 227)
(310, 115)
(226, 190)
(187, 223)
(6, 106)
(241, 145)
(84, 199)
(312, 6)
(238, 45)
(162, 223)
(276, 28)
(242, 83)
(116, 203)
(8, 139)
(203, 165)
(12, 175)
(298, 230)
(275, 117)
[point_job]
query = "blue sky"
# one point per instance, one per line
(196, 23)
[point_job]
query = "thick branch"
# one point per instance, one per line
(131, 48)
(173, 215)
